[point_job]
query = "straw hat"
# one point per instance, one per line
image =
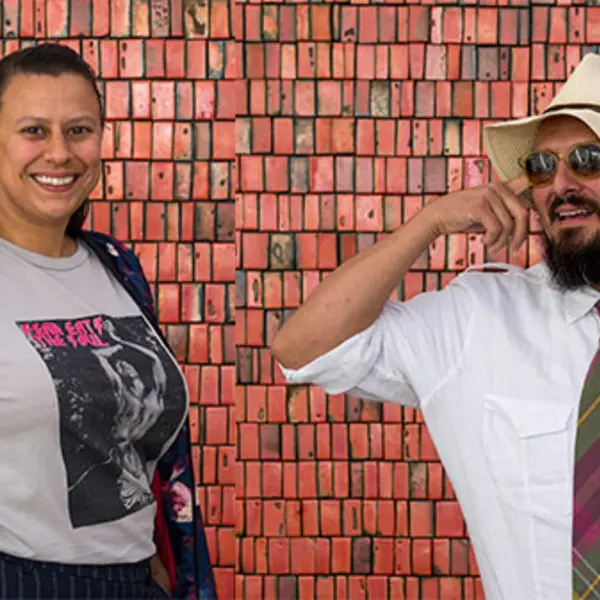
(507, 142)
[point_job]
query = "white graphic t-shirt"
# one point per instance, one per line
(90, 398)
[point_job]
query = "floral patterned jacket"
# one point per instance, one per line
(181, 542)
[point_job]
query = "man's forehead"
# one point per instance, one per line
(561, 130)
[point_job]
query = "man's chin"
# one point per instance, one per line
(584, 228)
(573, 257)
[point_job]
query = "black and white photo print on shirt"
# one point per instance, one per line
(112, 378)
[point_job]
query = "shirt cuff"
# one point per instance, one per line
(343, 367)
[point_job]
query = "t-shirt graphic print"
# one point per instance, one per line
(121, 398)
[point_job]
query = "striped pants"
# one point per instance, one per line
(23, 579)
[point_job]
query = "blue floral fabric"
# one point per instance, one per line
(187, 540)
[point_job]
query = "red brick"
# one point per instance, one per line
(219, 20)
(487, 26)
(422, 556)
(449, 521)
(302, 22)
(279, 555)
(205, 100)
(25, 17)
(341, 549)
(577, 20)
(305, 98)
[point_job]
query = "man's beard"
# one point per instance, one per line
(573, 262)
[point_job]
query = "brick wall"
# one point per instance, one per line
(353, 116)
(168, 72)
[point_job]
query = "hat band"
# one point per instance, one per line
(594, 107)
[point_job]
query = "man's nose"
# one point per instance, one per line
(565, 182)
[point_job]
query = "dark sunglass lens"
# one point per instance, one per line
(540, 167)
(585, 160)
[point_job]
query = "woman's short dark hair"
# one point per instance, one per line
(51, 59)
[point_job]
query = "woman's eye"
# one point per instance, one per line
(80, 130)
(35, 131)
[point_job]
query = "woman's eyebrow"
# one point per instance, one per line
(38, 119)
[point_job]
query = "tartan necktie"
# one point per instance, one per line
(586, 504)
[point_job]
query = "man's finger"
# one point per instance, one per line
(518, 185)
(504, 215)
(492, 225)
(475, 228)
(520, 215)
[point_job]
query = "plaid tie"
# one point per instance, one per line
(586, 507)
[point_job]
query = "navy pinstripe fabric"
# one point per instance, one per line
(22, 579)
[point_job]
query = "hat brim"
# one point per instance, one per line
(506, 143)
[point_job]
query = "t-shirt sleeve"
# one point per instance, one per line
(404, 356)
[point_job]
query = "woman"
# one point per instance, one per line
(94, 437)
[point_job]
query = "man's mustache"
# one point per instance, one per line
(575, 200)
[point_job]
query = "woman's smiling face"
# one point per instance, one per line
(50, 148)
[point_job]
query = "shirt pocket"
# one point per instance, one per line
(526, 445)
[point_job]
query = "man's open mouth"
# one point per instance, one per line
(573, 210)
(565, 215)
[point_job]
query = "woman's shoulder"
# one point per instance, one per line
(122, 262)
(107, 244)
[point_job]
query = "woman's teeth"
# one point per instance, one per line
(55, 181)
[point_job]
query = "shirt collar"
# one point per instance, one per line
(577, 303)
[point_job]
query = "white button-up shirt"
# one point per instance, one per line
(496, 362)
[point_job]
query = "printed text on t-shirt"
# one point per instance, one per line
(79, 332)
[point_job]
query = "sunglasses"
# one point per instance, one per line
(582, 159)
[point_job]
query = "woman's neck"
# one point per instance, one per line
(53, 244)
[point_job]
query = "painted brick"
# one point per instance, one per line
(366, 112)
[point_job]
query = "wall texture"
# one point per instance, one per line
(350, 117)
(353, 116)
(168, 72)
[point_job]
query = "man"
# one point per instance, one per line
(499, 363)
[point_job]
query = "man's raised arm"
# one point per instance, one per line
(352, 297)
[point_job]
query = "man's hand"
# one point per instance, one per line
(494, 210)
(160, 574)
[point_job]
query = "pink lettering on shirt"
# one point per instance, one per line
(45, 334)
(80, 332)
